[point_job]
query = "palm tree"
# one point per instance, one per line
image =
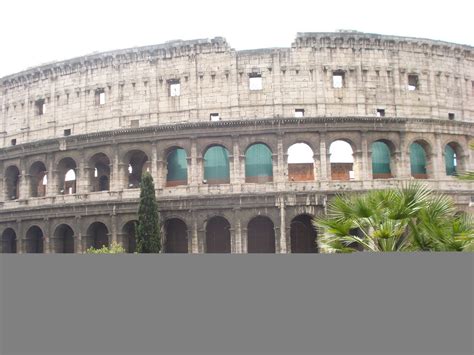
(408, 218)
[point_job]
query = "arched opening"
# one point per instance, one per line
(63, 239)
(303, 235)
(97, 235)
(300, 162)
(100, 172)
(453, 159)
(67, 176)
(176, 236)
(258, 164)
(12, 180)
(130, 236)
(342, 160)
(216, 165)
(260, 235)
(34, 240)
(38, 179)
(8, 241)
(138, 163)
(418, 161)
(177, 166)
(381, 160)
(218, 235)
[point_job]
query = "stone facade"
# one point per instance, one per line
(106, 114)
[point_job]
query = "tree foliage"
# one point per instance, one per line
(114, 248)
(148, 227)
(408, 218)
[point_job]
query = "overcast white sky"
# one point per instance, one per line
(35, 32)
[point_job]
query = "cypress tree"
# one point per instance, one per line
(148, 228)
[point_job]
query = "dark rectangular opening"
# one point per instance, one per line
(13, 141)
(67, 132)
(380, 112)
(299, 112)
(413, 83)
(100, 96)
(451, 116)
(40, 107)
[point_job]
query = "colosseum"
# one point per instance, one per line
(244, 146)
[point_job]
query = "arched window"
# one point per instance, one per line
(216, 165)
(38, 180)
(34, 240)
(176, 236)
(130, 236)
(8, 242)
(342, 160)
(100, 174)
(258, 164)
(381, 161)
(303, 235)
(300, 162)
(260, 235)
(418, 161)
(450, 160)
(67, 176)
(12, 180)
(97, 235)
(63, 240)
(177, 165)
(137, 164)
(218, 235)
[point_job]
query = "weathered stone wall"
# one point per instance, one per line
(139, 115)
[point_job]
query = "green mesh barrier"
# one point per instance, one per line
(216, 164)
(417, 159)
(380, 158)
(450, 160)
(177, 166)
(258, 161)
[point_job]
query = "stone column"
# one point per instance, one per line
(194, 237)
(325, 164)
(20, 238)
(282, 170)
(193, 178)
(404, 169)
(115, 173)
(437, 160)
(236, 173)
(79, 240)
(364, 174)
(49, 243)
(113, 238)
(244, 239)
(52, 183)
(283, 242)
(24, 187)
(156, 167)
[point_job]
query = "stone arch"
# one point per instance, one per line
(216, 165)
(12, 183)
(420, 159)
(137, 162)
(67, 169)
(176, 167)
(342, 159)
(8, 242)
(38, 179)
(97, 235)
(300, 162)
(130, 236)
(303, 234)
(454, 161)
(176, 232)
(34, 240)
(381, 152)
(63, 239)
(99, 175)
(261, 235)
(258, 163)
(218, 235)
